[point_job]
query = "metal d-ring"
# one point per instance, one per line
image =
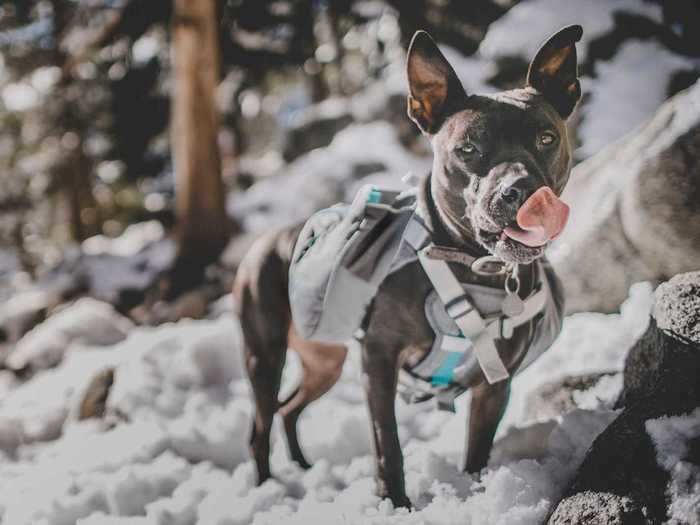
(513, 278)
(489, 265)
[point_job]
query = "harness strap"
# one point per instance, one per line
(533, 305)
(466, 317)
(476, 331)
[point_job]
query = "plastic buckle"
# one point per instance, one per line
(505, 329)
(458, 307)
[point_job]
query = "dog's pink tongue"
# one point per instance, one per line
(541, 218)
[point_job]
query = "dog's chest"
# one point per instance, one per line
(439, 360)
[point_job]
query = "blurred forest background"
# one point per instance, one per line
(136, 133)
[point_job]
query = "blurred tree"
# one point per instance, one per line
(202, 224)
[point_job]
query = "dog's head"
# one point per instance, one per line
(500, 161)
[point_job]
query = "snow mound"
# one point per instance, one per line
(86, 322)
(671, 437)
(324, 176)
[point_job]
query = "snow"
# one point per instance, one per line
(19, 97)
(671, 437)
(174, 446)
(626, 92)
(87, 322)
(134, 239)
(512, 34)
(324, 176)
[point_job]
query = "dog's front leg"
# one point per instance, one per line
(380, 369)
(488, 404)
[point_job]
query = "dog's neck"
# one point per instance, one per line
(447, 231)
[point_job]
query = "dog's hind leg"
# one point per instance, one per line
(260, 292)
(322, 365)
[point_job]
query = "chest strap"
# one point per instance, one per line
(465, 316)
(458, 306)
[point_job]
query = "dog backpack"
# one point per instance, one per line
(341, 256)
(345, 252)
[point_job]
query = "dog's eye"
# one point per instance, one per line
(546, 138)
(467, 149)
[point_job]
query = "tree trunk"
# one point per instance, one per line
(202, 227)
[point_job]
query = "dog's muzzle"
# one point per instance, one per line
(540, 219)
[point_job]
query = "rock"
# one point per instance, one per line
(21, 312)
(677, 306)
(87, 321)
(597, 508)
(662, 363)
(556, 398)
(94, 399)
(660, 380)
(635, 214)
(622, 461)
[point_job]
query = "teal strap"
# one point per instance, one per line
(374, 196)
(445, 373)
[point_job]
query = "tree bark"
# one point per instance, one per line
(202, 227)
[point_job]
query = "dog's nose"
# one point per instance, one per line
(515, 194)
(511, 194)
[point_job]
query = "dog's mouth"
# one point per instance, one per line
(539, 220)
(507, 248)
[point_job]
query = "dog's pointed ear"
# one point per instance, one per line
(554, 70)
(434, 89)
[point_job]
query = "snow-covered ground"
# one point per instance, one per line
(173, 447)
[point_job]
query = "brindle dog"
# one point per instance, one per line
(490, 154)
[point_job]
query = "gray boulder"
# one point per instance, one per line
(660, 379)
(635, 210)
(597, 508)
(663, 367)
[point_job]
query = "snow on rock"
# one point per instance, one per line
(86, 322)
(626, 92)
(37, 410)
(133, 240)
(20, 311)
(323, 176)
(512, 33)
(671, 437)
(627, 213)
(182, 388)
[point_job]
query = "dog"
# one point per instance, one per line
(491, 154)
